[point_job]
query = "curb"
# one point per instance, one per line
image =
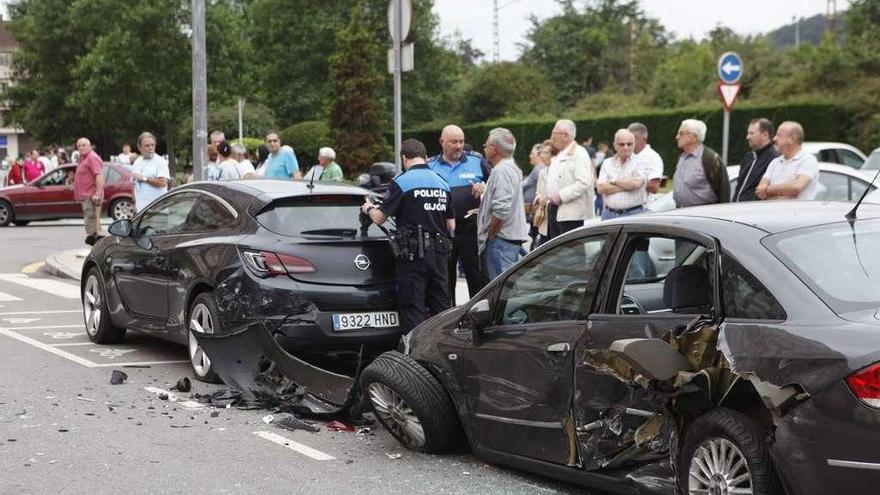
(62, 264)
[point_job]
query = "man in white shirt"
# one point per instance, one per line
(621, 182)
(794, 174)
(649, 161)
(149, 172)
(48, 166)
(570, 180)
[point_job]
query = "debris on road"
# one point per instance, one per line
(183, 385)
(86, 399)
(163, 396)
(339, 426)
(292, 423)
(118, 377)
(394, 456)
(268, 419)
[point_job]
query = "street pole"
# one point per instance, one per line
(398, 83)
(724, 138)
(241, 121)
(199, 90)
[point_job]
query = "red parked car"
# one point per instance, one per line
(50, 197)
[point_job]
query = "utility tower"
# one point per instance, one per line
(496, 29)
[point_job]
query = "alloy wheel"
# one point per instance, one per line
(4, 213)
(200, 321)
(91, 302)
(123, 209)
(396, 414)
(718, 467)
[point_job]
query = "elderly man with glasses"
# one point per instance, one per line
(700, 177)
(570, 180)
(281, 164)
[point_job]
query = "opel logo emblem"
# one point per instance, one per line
(361, 262)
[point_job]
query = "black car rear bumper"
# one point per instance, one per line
(300, 315)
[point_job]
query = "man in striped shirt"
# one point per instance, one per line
(621, 181)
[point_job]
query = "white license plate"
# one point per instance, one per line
(355, 321)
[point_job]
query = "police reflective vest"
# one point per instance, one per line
(470, 169)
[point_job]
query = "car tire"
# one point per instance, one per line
(99, 327)
(203, 317)
(21, 223)
(741, 443)
(411, 404)
(121, 209)
(6, 213)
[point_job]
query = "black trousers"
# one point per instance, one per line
(466, 249)
(556, 228)
(422, 288)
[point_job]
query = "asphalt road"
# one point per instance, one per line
(64, 429)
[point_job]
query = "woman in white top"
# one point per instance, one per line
(228, 168)
(244, 166)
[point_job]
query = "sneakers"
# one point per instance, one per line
(91, 239)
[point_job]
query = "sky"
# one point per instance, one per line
(686, 18)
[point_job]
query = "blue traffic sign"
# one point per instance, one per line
(730, 68)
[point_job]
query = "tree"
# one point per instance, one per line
(610, 40)
(355, 118)
(686, 75)
(506, 88)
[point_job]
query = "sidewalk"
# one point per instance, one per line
(68, 264)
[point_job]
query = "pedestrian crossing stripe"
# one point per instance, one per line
(54, 287)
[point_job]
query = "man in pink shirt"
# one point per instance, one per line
(88, 187)
(33, 169)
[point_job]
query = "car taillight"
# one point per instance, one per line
(269, 264)
(865, 383)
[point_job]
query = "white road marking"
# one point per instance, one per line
(20, 321)
(111, 353)
(62, 335)
(54, 287)
(41, 312)
(53, 349)
(295, 446)
(48, 348)
(45, 327)
(8, 297)
(173, 398)
(139, 363)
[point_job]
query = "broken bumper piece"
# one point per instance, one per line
(252, 362)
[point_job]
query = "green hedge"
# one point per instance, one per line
(822, 121)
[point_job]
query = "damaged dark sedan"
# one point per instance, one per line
(711, 350)
(206, 258)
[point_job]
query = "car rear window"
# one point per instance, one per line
(336, 215)
(838, 261)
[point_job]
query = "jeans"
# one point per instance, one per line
(499, 255)
(608, 214)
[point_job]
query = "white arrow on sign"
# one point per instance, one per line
(730, 68)
(729, 92)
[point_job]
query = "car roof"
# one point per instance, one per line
(769, 216)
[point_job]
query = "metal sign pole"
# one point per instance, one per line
(241, 121)
(199, 90)
(398, 83)
(725, 137)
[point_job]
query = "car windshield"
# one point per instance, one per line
(838, 262)
(336, 215)
(873, 162)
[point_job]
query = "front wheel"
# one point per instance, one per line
(203, 318)
(99, 327)
(6, 213)
(121, 209)
(411, 403)
(725, 451)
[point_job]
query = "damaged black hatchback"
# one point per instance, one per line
(711, 350)
(208, 258)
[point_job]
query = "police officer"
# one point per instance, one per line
(419, 199)
(466, 173)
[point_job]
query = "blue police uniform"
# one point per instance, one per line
(420, 202)
(470, 169)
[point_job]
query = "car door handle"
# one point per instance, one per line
(559, 347)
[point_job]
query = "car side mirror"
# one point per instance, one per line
(121, 228)
(479, 316)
